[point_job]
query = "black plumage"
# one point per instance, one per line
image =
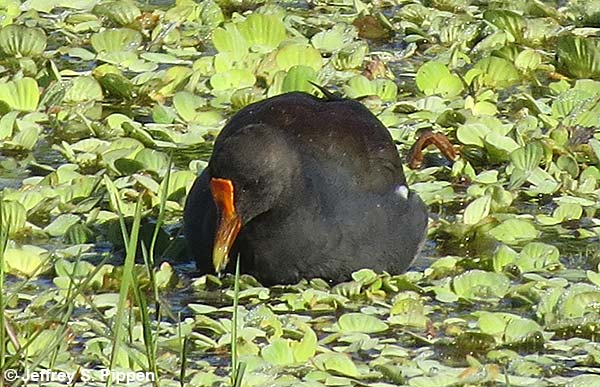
(318, 190)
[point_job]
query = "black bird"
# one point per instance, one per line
(303, 187)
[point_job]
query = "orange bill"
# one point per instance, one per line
(229, 221)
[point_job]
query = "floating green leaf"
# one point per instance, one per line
(153, 160)
(13, 216)
(579, 56)
(337, 362)
(278, 352)
(229, 39)
(359, 322)
(360, 86)
(527, 158)
(232, 79)
(528, 60)
(245, 96)
(298, 78)
(115, 40)
(408, 311)
(22, 94)
(262, 32)
(537, 256)
(514, 230)
(306, 348)
(435, 78)
(120, 12)
(20, 41)
(568, 164)
(494, 72)
(26, 260)
(186, 104)
(298, 54)
(192, 108)
(84, 89)
(350, 56)
(472, 134)
(508, 21)
(330, 40)
(507, 328)
(481, 285)
(59, 226)
(504, 256)
(477, 210)
(117, 86)
(569, 102)
(579, 301)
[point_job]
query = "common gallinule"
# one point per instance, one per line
(303, 187)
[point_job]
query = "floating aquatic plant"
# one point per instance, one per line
(21, 41)
(96, 95)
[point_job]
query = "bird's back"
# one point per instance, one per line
(342, 131)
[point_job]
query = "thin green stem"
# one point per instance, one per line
(237, 368)
(126, 282)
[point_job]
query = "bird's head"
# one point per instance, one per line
(252, 171)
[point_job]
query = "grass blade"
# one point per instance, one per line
(237, 369)
(126, 282)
